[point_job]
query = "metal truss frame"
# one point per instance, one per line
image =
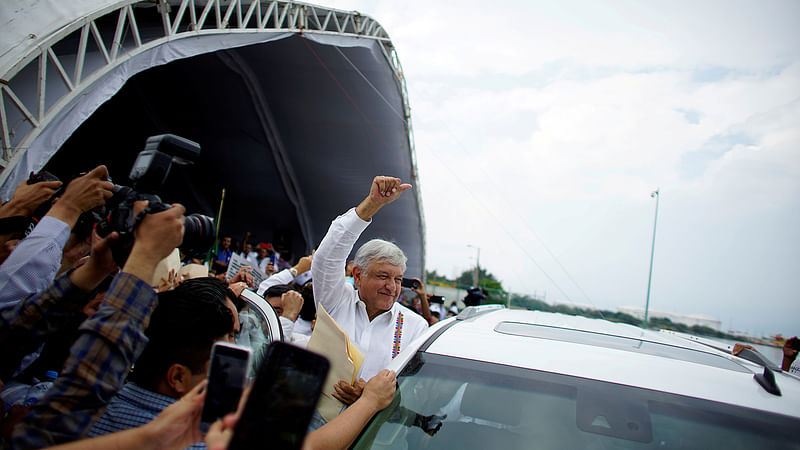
(180, 19)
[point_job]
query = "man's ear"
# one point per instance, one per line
(179, 379)
(357, 274)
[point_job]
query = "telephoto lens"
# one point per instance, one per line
(198, 235)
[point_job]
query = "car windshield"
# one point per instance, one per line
(454, 403)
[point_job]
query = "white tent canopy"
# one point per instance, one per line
(296, 107)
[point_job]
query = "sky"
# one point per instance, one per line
(541, 129)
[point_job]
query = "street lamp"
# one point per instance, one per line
(475, 276)
(652, 253)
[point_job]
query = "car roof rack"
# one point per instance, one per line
(756, 357)
(468, 313)
(473, 311)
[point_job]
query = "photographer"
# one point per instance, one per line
(16, 212)
(36, 259)
(110, 340)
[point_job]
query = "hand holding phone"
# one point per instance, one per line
(283, 399)
(227, 375)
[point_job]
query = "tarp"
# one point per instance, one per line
(26, 23)
(294, 127)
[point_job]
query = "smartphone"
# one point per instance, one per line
(410, 283)
(227, 375)
(283, 399)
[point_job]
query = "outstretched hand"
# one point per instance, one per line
(156, 237)
(100, 264)
(28, 197)
(380, 389)
(178, 425)
(348, 393)
(82, 194)
(292, 304)
(384, 190)
(387, 189)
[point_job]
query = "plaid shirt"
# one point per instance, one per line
(24, 327)
(133, 407)
(107, 344)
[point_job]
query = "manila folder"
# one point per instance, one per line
(331, 341)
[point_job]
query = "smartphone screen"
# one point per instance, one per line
(283, 399)
(227, 375)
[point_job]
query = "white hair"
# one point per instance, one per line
(378, 250)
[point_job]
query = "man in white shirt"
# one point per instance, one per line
(378, 325)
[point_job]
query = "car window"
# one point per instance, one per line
(619, 343)
(259, 325)
(453, 403)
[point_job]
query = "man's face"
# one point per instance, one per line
(231, 336)
(226, 242)
(196, 378)
(248, 248)
(379, 286)
(277, 303)
(262, 252)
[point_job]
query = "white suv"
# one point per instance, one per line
(502, 379)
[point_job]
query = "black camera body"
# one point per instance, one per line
(83, 228)
(410, 283)
(148, 175)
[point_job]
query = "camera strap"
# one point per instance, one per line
(139, 218)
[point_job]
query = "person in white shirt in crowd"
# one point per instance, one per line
(264, 259)
(287, 276)
(378, 325)
(247, 252)
(36, 259)
(287, 304)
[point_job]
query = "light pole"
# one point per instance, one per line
(652, 253)
(475, 276)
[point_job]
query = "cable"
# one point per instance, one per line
(396, 112)
(348, 96)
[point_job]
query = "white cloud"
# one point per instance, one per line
(561, 117)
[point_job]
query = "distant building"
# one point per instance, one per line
(686, 319)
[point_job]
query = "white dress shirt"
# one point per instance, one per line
(33, 264)
(282, 277)
(374, 338)
(290, 335)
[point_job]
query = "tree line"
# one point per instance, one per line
(496, 294)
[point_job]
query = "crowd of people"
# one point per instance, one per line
(96, 355)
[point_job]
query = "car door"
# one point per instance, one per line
(259, 326)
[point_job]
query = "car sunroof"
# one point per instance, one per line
(618, 343)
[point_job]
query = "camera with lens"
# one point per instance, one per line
(147, 176)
